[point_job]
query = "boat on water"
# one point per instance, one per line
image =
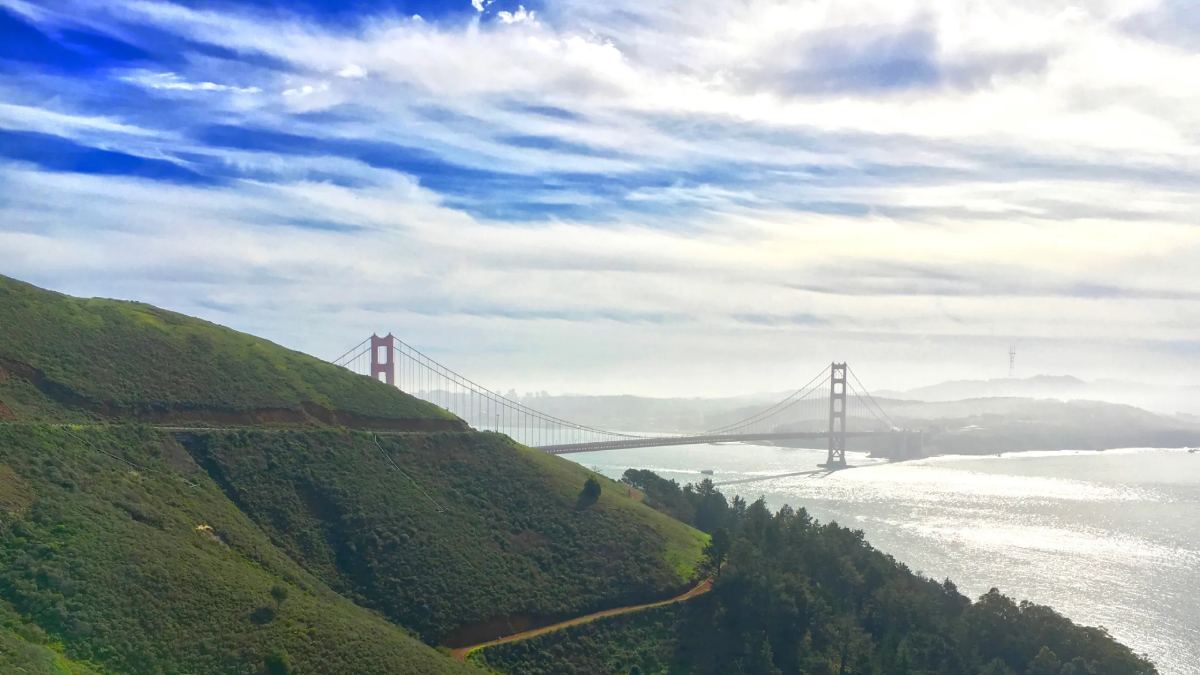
(1193, 450)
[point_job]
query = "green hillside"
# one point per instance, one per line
(465, 537)
(279, 540)
(27, 649)
(65, 358)
(121, 551)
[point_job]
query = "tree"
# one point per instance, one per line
(590, 493)
(280, 593)
(711, 507)
(1045, 663)
(717, 549)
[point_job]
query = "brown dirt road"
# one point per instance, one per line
(700, 589)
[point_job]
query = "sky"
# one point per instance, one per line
(663, 198)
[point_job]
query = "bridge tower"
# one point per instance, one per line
(383, 363)
(837, 416)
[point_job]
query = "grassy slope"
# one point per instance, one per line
(118, 566)
(126, 359)
(510, 542)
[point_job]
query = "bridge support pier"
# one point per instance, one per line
(837, 417)
(383, 358)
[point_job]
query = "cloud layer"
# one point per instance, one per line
(624, 196)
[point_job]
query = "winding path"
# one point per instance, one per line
(700, 589)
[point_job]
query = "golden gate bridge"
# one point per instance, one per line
(831, 406)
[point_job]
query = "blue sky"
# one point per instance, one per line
(665, 198)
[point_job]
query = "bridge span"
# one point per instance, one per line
(833, 401)
(662, 441)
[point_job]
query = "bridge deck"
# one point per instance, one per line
(660, 441)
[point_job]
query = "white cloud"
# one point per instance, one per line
(353, 71)
(307, 89)
(172, 81)
(520, 16)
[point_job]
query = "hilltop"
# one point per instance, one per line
(73, 359)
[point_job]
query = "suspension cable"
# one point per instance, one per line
(778, 407)
(346, 362)
(865, 392)
(424, 360)
(338, 360)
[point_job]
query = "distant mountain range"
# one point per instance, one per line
(1166, 400)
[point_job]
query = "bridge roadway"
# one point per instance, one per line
(659, 441)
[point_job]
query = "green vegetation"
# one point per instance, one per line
(798, 596)
(644, 640)
(459, 536)
(146, 567)
(701, 504)
(25, 648)
(72, 358)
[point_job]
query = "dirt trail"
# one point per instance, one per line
(703, 587)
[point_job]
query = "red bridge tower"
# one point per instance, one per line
(383, 354)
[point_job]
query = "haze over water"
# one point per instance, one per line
(1106, 538)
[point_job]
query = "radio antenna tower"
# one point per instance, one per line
(1012, 361)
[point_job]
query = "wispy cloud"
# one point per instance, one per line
(173, 82)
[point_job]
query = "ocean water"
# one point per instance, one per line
(1107, 538)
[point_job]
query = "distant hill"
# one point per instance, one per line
(66, 359)
(1002, 424)
(1162, 399)
(1038, 386)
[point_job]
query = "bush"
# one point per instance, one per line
(590, 494)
